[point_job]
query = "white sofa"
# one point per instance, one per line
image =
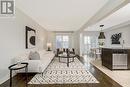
(36, 65)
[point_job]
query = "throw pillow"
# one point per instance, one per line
(34, 56)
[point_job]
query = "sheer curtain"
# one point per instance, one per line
(63, 40)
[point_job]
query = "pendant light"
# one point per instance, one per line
(101, 36)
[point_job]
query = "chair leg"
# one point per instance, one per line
(68, 62)
(73, 59)
(59, 59)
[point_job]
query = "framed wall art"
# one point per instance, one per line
(30, 38)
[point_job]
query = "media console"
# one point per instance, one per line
(116, 59)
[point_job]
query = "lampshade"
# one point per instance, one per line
(101, 36)
(48, 44)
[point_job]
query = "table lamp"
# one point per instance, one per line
(49, 46)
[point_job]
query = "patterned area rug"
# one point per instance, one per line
(59, 73)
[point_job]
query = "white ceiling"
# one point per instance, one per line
(120, 16)
(60, 15)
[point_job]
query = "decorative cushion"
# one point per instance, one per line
(34, 56)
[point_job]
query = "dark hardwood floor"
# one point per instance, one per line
(20, 80)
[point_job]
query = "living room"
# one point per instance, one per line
(62, 38)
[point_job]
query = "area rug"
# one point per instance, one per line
(59, 73)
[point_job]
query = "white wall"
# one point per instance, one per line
(125, 36)
(12, 39)
(91, 33)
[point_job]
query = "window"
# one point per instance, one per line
(62, 41)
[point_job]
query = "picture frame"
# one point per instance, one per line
(30, 37)
(115, 38)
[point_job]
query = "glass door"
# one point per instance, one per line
(89, 42)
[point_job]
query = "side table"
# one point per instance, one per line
(18, 66)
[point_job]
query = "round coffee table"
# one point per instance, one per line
(64, 55)
(18, 66)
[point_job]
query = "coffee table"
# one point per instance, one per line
(64, 55)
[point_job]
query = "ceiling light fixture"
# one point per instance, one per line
(101, 36)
